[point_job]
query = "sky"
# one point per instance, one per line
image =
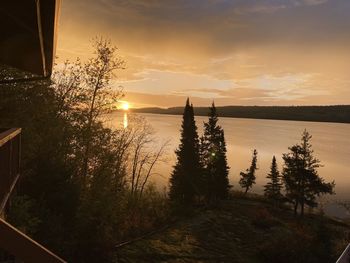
(236, 52)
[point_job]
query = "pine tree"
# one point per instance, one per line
(248, 178)
(273, 187)
(185, 180)
(213, 157)
(300, 175)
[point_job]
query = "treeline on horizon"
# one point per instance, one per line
(333, 113)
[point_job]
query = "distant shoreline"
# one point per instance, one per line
(332, 114)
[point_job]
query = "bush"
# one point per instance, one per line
(263, 219)
(300, 243)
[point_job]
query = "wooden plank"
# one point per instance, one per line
(8, 134)
(23, 247)
(345, 257)
(7, 195)
(10, 151)
(12, 240)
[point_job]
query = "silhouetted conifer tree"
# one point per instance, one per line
(213, 157)
(185, 180)
(273, 187)
(302, 182)
(248, 178)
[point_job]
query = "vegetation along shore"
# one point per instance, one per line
(334, 113)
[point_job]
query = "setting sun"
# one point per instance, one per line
(125, 105)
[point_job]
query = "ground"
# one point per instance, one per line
(241, 230)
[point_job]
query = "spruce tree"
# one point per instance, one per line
(185, 180)
(248, 177)
(213, 157)
(302, 181)
(273, 187)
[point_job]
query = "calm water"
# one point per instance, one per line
(331, 143)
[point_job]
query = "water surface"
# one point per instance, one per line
(331, 143)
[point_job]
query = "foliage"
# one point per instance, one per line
(20, 214)
(144, 154)
(213, 158)
(85, 188)
(273, 188)
(264, 219)
(186, 181)
(145, 214)
(335, 113)
(300, 175)
(301, 243)
(75, 183)
(248, 178)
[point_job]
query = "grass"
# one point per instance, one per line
(242, 230)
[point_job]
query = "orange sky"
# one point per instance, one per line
(238, 52)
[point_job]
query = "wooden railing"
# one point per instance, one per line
(18, 245)
(23, 247)
(10, 152)
(345, 257)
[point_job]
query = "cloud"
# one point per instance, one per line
(204, 27)
(260, 90)
(207, 46)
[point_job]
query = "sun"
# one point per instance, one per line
(125, 105)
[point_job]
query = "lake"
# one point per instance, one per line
(331, 143)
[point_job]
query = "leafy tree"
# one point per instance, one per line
(248, 177)
(55, 203)
(45, 172)
(84, 95)
(273, 187)
(144, 155)
(185, 179)
(98, 72)
(302, 182)
(213, 157)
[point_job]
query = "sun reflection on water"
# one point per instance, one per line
(125, 120)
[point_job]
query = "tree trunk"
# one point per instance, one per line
(296, 208)
(302, 209)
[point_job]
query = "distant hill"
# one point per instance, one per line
(337, 113)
